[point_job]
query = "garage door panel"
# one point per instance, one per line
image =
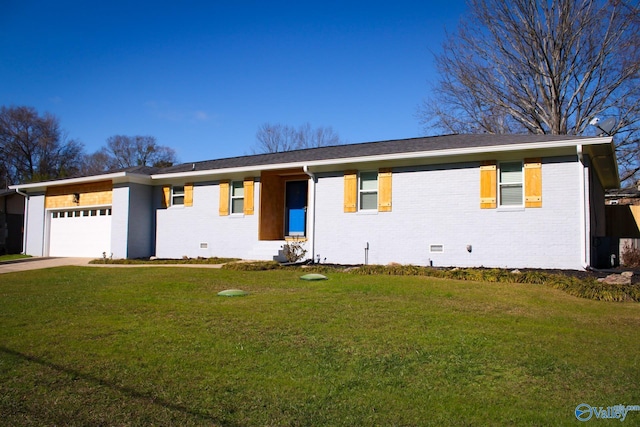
(80, 233)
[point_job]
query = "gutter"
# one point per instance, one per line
(312, 213)
(26, 220)
(584, 235)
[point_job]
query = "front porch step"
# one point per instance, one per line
(280, 257)
(267, 250)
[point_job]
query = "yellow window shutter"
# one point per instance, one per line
(533, 183)
(488, 186)
(350, 191)
(384, 190)
(248, 196)
(166, 196)
(224, 198)
(188, 195)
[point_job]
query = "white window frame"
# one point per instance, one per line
(502, 185)
(362, 191)
(177, 194)
(233, 197)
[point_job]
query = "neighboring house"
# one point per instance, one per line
(11, 222)
(459, 200)
(622, 210)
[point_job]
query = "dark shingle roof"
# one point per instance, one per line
(433, 143)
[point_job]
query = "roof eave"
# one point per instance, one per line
(605, 163)
(115, 177)
(432, 154)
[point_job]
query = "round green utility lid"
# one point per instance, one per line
(314, 276)
(232, 293)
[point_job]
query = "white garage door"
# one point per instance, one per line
(80, 233)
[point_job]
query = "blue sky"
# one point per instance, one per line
(203, 76)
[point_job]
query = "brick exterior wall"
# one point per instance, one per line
(440, 205)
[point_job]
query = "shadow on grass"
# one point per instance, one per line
(148, 397)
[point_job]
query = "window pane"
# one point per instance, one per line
(368, 200)
(237, 189)
(369, 181)
(178, 190)
(511, 195)
(237, 205)
(178, 200)
(510, 172)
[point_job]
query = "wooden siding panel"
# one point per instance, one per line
(533, 183)
(488, 185)
(385, 190)
(350, 191)
(271, 218)
(79, 195)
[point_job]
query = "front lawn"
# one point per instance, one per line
(157, 346)
(12, 257)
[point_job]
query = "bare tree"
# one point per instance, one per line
(96, 163)
(274, 138)
(124, 151)
(545, 67)
(34, 148)
(318, 137)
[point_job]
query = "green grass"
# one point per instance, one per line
(13, 257)
(156, 346)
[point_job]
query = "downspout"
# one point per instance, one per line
(312, 213)
(584, 234)
(26, 221)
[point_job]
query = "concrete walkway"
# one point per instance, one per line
(36, 263)
(25, 264)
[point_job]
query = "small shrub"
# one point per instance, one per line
(587, 287)
(294, 250)
(162, 261)
(630, 256)
(533, 277)
(252, 266)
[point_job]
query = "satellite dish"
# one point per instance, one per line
(606, 126)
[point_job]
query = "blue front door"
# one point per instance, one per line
(296, 208)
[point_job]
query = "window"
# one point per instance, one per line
(237, 197)
(515, 184)
(510, 185)
(177, 195)
(368, 191)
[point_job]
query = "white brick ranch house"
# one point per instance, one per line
(507, 201)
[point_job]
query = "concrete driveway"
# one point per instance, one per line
(38, 263)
